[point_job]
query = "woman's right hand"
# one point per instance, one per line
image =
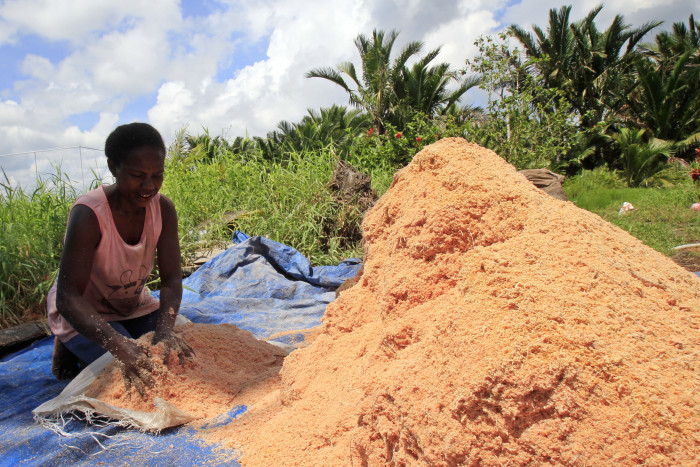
(135, 365)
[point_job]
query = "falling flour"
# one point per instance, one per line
(492, 325)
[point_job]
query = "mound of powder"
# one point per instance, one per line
(492, 325)
(228, 360)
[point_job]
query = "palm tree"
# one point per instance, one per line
(243, 146)
(641, 158)
(373, 92)
(426, 90)
(207, 147)
(330, 128)
(582, 61)
(665, 88)
(553, 50)
(672, 45)
(667, 102)
(386, 89)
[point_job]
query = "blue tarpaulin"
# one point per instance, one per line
(259, 285)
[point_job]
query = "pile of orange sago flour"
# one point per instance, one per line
(227, 362)
(493, 325)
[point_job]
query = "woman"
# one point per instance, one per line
(99, 301)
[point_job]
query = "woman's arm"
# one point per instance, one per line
(169, 265)
(82, 237)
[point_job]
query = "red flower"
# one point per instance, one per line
(398, 135)
(369, 132)
(695, 174)
(418, 138)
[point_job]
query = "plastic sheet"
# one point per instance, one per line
(264, 287)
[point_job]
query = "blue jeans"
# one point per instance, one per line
(89, 351)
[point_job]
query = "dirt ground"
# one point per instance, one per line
(688, 260)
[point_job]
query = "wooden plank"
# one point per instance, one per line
(23, 332)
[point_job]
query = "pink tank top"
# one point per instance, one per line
(119, 271)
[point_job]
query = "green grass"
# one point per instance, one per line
(662, 218)
(285, 201)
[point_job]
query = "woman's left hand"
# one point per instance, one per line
(174, 343)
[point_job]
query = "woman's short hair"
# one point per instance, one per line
(126, 138)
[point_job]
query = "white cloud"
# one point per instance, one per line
(173, 106)
(10, 112)
(457, 37)
(274, 89)
(127, 63)
(74, 20)
(38, 67)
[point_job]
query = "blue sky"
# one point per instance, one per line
(74, 69)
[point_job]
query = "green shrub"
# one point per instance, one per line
(395, 147)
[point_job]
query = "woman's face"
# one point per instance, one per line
(140, 175)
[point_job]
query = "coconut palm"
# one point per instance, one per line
(329, 128)
(585, 63)
(426, 90)
(664, 95)
(668, 46)
(666, 101)
(553, 50)
(243, 146)
(206, 147)
(386, 89)
(373, 91)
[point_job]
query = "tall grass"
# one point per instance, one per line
(285, 201)
(33, 225)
